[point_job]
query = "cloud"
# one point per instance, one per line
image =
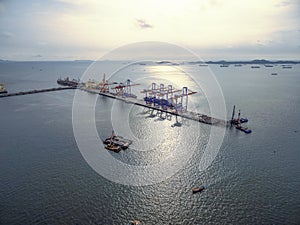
(1, 8)
(143, 24)
(6, 34)
(283, 3)
(41, 43)
(76, 2)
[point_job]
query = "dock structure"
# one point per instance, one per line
(36, 91)
(124, 89)
(171, 101)
(165, 98)
(105, 84)
(159, 98)
(202, 118)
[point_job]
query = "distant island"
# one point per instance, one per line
(222, 62)
(255, 61)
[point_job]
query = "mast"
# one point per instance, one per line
(233, 114)
(239, 117)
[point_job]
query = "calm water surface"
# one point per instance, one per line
(255, 179)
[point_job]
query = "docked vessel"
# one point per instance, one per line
(2, 89)
(68, 82)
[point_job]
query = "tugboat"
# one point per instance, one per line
(244, 129)
(198, 189)
(116, 143)
(2, 89)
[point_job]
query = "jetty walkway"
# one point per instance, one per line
(35, 91)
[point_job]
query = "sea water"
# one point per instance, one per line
(253, 180)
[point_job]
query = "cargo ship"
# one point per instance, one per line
(2, 89)
(68, 82)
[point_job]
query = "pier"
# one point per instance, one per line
(202, 118)
(159, 98)
(35, 91)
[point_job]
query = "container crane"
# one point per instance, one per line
(124, 89)
(104, 85)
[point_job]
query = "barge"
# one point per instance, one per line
(116, 143)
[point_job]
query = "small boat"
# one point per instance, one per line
(274, 74)
(198, 189)
(255, 67)
(243, 120)
(135, 222)
(244, 129)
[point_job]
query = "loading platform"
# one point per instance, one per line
(202, 118)
(159, 98)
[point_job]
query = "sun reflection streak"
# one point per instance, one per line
(171, 73)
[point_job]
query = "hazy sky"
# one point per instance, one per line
(86, 29)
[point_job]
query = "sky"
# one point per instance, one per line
(88, 29)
